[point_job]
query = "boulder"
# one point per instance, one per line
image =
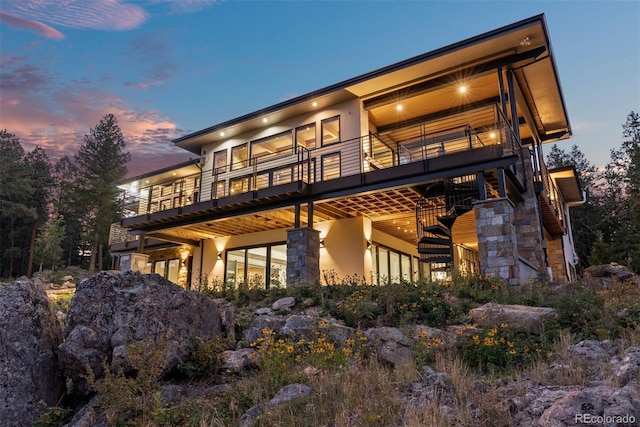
(283, 303)
(110, 311)
(29, 334)
(239, 360)
(520, 318)
(613, 269)
(260, 323)
(390, 345)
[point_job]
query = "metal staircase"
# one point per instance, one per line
(436, 212)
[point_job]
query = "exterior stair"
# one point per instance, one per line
(436, 212)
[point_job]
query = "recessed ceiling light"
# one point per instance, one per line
(174, 174)
(265, 120)
(492, 135)
(462, 89)
(315, 104)
(399, 107)
(221, 133)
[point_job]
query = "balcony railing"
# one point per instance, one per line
(403, 145)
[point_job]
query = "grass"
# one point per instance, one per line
(351, 387)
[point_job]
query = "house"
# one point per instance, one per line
(419, 169)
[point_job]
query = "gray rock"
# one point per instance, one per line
(29, 334)
(249, 417)
(390, 345)
(283, 303)
(254, 331)
(110, 311)
(263, 311)
(629, 368)
(239, 360)
(520, 318)
(621, 272)
(288, 393)
(595, 350)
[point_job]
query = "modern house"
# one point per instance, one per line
(419, 169)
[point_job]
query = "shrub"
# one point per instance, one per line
(501, 348)
(132, 398)
(204, 357)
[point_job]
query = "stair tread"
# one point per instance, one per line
(434, 241)
(435, 251)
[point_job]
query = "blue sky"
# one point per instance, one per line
(167, 68)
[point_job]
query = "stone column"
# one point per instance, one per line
(555, 253)
(497, 238)
(303, 257)
(528, 226)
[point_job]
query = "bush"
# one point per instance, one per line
(204, 357)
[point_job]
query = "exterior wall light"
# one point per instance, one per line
(322, 243)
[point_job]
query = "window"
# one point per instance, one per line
(306, 136)
(331, 130)
(278, 266)
(262, 266)
(390, 266)
(239, 157)
(158, 267)
(330, 166)
(238, 185)
(282, 176)
(217, 189)
(173, 270)
(257, 267)
(220, 161)
(271, 146)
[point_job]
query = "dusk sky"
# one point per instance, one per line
(168, 68)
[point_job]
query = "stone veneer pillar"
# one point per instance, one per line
(303, 257)
(528, 226)
(555, 254)
(497, 238)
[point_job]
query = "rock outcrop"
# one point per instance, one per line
(29, 334)
(110, 311)
(520, 318)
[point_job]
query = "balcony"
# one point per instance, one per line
(407, 155)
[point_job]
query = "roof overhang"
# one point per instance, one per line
(523, 47)
(567, 181)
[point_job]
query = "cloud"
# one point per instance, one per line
(56, 117)
(108, 15)
(36, 27)
(186, 6)
(152, 51)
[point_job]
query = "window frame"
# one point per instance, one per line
(323, 122)
(220, 169)
(298, 129)
(271, 156)
(246, 249)
(322, 165)
(243, 163)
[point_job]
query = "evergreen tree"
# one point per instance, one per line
(48, 246)
(42, 181)
(101, 164)
(66, 204)
(584, 218)
(16, 190)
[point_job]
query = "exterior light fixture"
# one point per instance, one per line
(322, 243)
(219, 257)
(368, 244)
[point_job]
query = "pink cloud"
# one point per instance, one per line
(36, 27)
(108, 15)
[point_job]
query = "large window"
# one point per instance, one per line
(271, 146)
(220, 161)
(331, 130)
(173, 270)
(306, 136)
(217, 189)
(239, 157)
(238, 185)
(330, 166)
(158, 267)
(258, 267)
(390, 266)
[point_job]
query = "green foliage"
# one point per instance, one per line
(55, 416)
(48, 249)
(132, 398)
(204, 357)
(501, 348)
(61, 303)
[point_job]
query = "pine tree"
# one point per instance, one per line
(101, 164)
(16, 190)
(42, 181)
